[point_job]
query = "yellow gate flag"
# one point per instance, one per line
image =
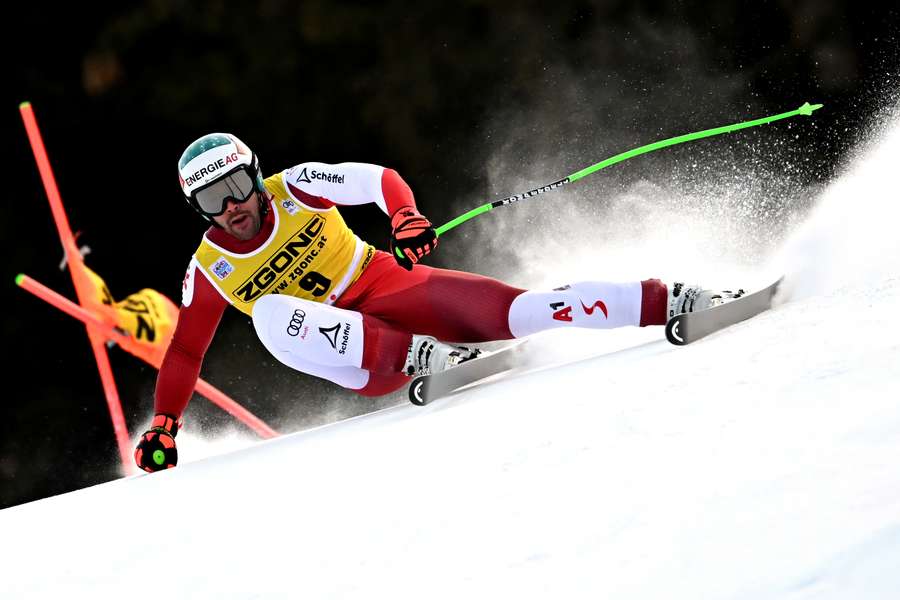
(147, 316)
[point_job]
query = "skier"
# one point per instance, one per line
(326, 303)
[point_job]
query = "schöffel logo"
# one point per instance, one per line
(212, 168)
(320, 175)
(330, 334)
(345, 339)
(293, 328)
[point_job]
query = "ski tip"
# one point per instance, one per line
(674, 332)
(418, 391)
(24, 105)
(807, 108)
(19, 279)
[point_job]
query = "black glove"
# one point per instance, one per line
(156, 450)
(412, 237)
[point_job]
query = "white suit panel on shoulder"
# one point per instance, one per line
(187, 286)
(346, 183)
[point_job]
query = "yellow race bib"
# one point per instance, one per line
(310, 254)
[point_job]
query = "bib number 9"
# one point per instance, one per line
(315, 283)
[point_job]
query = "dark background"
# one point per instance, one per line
(433, 90)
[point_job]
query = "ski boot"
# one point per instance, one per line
(691, 298)
(427, 356)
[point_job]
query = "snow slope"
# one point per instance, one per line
(761, 462)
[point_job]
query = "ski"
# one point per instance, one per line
(689, 327)
(427, 388)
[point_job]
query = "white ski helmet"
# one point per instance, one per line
(218, 167)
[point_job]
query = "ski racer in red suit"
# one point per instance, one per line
(328, 304)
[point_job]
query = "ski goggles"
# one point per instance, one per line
(237, 185)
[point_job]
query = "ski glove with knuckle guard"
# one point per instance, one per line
(156, 450)
(412, 237)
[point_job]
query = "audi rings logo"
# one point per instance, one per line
(296, 323)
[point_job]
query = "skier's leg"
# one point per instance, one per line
(591, 304)
(449, 305)
(342, 346)
(464, 307)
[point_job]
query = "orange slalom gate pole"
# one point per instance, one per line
(49, 181)
(205, 389)
(123, 440)
(75, 262)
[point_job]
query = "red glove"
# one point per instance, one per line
(156, 450)
(412, 238)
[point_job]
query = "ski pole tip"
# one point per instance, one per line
(807, 108)
(24, 105)
(19, 279)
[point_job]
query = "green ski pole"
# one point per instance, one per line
(807, 109)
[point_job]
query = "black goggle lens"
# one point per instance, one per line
(213, 199)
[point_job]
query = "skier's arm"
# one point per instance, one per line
(197, 322)
(321, 186)
(201, 311)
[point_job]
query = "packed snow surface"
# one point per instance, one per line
(761, 462)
